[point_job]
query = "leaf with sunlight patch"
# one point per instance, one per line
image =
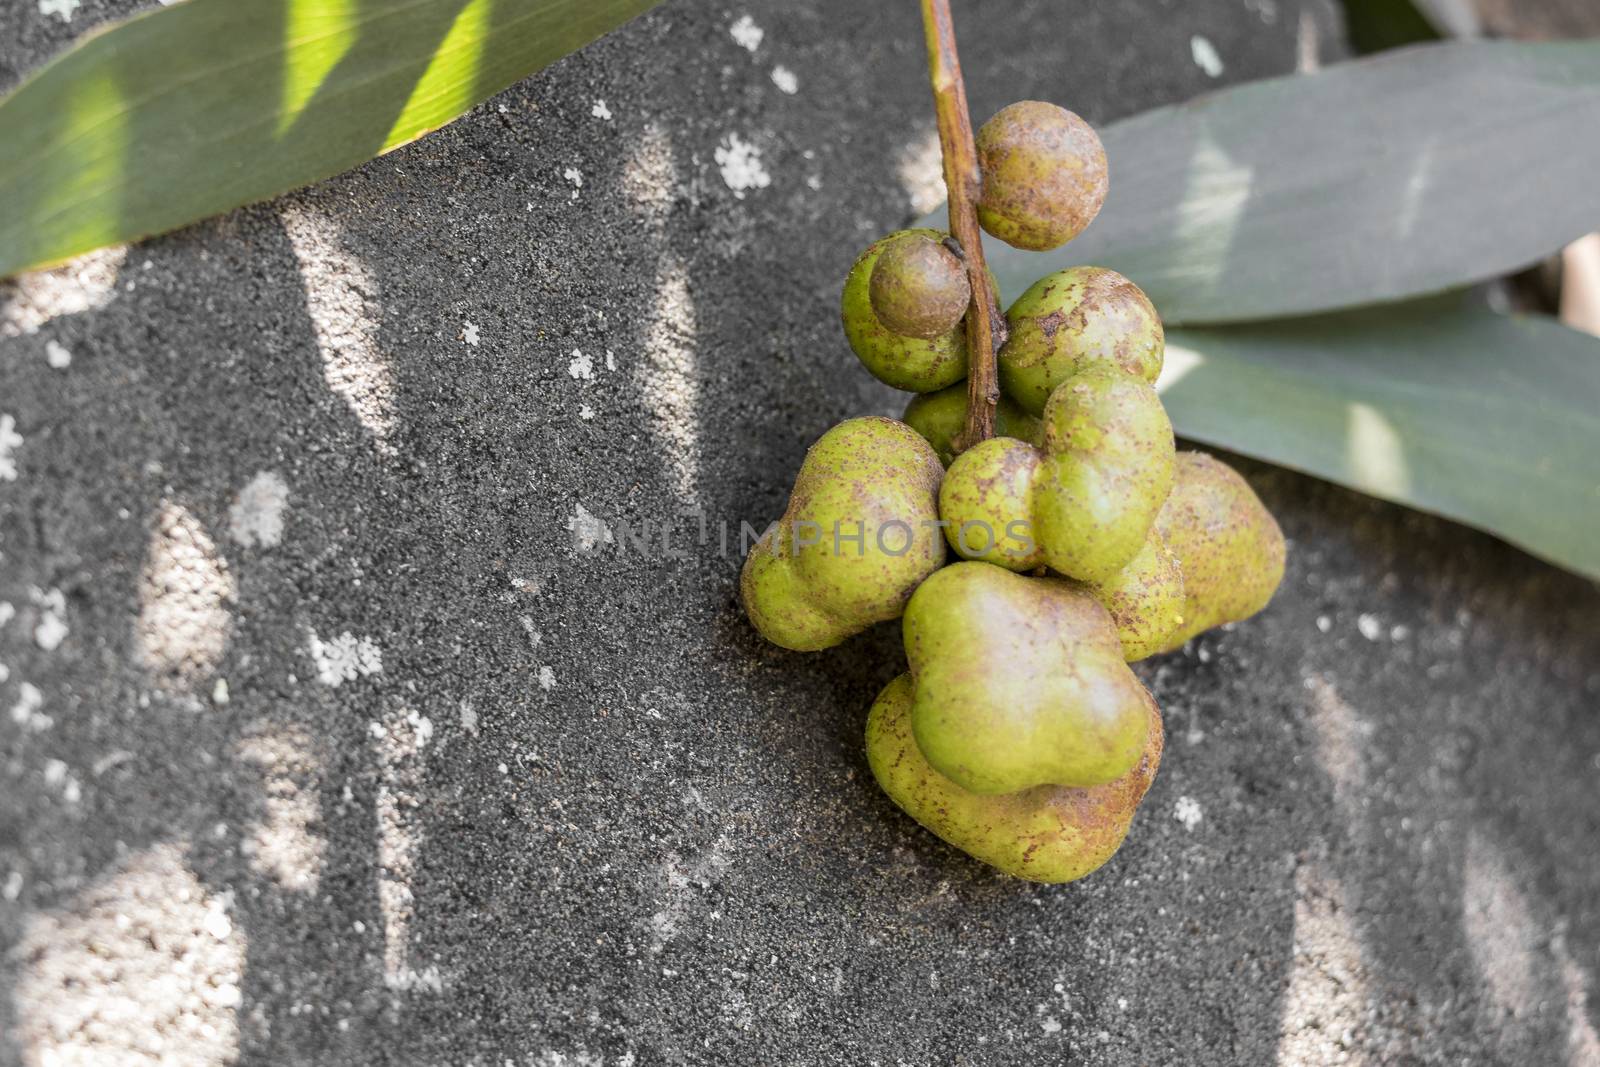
(1487, 419)
(195, 109)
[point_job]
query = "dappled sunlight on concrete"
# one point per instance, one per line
(185, 593)
(141, 968)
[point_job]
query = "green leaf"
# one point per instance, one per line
(1486, 419)
(194, 109)
(1405, 174)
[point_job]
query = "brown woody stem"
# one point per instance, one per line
(963, 181)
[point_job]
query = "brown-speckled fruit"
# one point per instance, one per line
(919, 288)
(1044, 175)
(857, 539)
(1047, 834)
(1145, 599)
(1020, 682)
(986, 502)
(917, 364)
(1228, 545)
(941, 416)
(1071, 319)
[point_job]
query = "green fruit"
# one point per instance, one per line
(1048, 834)
(1072, 319)
(985, 502)
(858, 537)
(1109, 457)
(1227, 543)
(918, 364)
(919, 288)
(1044, 175)
(941, 416)
(1145, 599)
(1019, 682)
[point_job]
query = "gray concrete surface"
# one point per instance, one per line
(321, 743)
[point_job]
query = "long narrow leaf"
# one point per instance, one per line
(1490, 420)
(1409, 173)
(194, 109)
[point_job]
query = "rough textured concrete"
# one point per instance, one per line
(320, 742)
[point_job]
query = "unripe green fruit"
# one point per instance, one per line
(985, 500)
(919, 288)
(918, 364)
(1228, 545)
(1109, 458)
(1072, 319)
(1044, 175)
(1019, 682)
(1145, 599)
(858, 537)
(941, 416)
(1048, 834)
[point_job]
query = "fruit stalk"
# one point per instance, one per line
(963, 180)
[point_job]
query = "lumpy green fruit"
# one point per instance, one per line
(1072, 319)
(1145, 599)
(919, 288)
(858, 537)
(1046, 834)
(1044, 175)
(1019, 682)
(1227, 543)
(918, 364)
(941, 416)
(985, 500)
(1108, 468)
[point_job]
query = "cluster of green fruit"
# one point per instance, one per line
(1086, 541)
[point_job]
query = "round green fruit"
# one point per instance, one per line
(1044, 175)
(1019, 682)
(986, 502)
(1071, 319)
(1145, 599)
(917, 364)
(859, 535)
(1108, 467)
(1228, 545)
(919, 288)
(1047, 834)
(940, 417)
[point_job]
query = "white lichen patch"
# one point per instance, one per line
(342, 301)
(285, 841)
(785, 79)
(741, 166)
(51, 628)
(600, 111)
(580, 367)
(184, 593)
(256, 515)
(1187, 811)
(10, 441)
(469, 333)
(83, 284)
(744, 31)
(575, 177)
(1371, 626)
(547, 678)
(345, 658)
(142, 968)
(56, 355)
(585, 412)
(588, 531)
(25, 712)
(63, 8)
(1205, 56)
